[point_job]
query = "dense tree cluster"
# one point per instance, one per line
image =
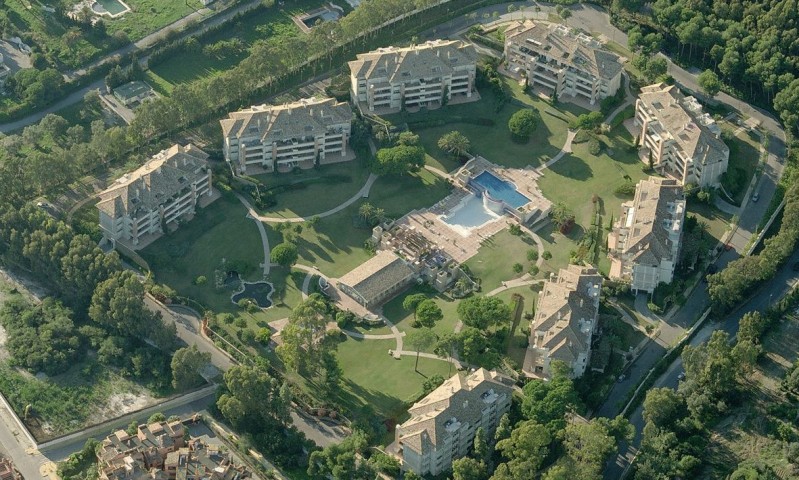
(106, 309)
(42, 338)
(751, 45)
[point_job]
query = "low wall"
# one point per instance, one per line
(106, 428)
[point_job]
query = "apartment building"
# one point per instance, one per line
(565, 322)
(200, 461)
(644, 245)
(427, 75)
(557, 60)
(138, 456)
(443, 424)
(301, 134)
(163, 192)
(678, 138)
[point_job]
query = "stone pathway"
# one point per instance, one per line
(362, 193)
(522, 281)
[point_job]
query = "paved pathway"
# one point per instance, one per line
(628, 99)
(567, 148)
(431, 356)
(725, 206)
(539, 244)
(367, 336)
(438, 171)
(251, 213)
(362, 193)
(522, 281)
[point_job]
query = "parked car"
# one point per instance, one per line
(681, 376)
(756, 197)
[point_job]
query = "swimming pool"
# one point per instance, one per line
(499, 189)
(468, 215)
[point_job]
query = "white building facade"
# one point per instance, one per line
(443, 424)
(644, 245)
(430, 74)
(679, 139)
(301, 134)
(558, 61)
(166, 190)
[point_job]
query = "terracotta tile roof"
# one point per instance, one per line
(376, 275)
(564, 305)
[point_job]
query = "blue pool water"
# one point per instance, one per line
(500, 189)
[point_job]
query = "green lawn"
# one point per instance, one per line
(494, 143)
(315, 197)
(403, 319)
(517, 346)
(494, 261)
(375, 378)
(147, 16)
(220, 231)
(335, 243)
(718, 222)
(271, 22)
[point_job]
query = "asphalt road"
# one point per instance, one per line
(773, 290)
(144, 43)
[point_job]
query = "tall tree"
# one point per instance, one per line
(187, 363)
(419, 340)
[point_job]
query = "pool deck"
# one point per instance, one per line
(429, 224)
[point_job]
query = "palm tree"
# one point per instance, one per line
(454, 143)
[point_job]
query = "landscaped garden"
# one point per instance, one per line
(487, 130)
(218, 52)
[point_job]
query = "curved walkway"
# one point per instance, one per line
(362, 193)
(628, 99)
(431, 356)
(251, 213)
(368, 336)
(567, 148)
(517, 282)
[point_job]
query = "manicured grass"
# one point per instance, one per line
(718, 222)
(373, 377)
(494, 142)
(403, 319)
(147, 16)
(315, 197)
(517, 346)
(268, 23)
(494, 261)
(335, 243)
(220, 231)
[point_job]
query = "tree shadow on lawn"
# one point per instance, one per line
(572, 167)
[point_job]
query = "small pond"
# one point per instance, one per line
(259, 292)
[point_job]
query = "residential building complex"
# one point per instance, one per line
(136, 456)
(678, 138)
(377, 279)
(644, 245)
(302, 134)
(165, 191)
(555, 59)
(427, 75)
(565, 322)
(443, 424)
(200, 461)
(163, 451)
